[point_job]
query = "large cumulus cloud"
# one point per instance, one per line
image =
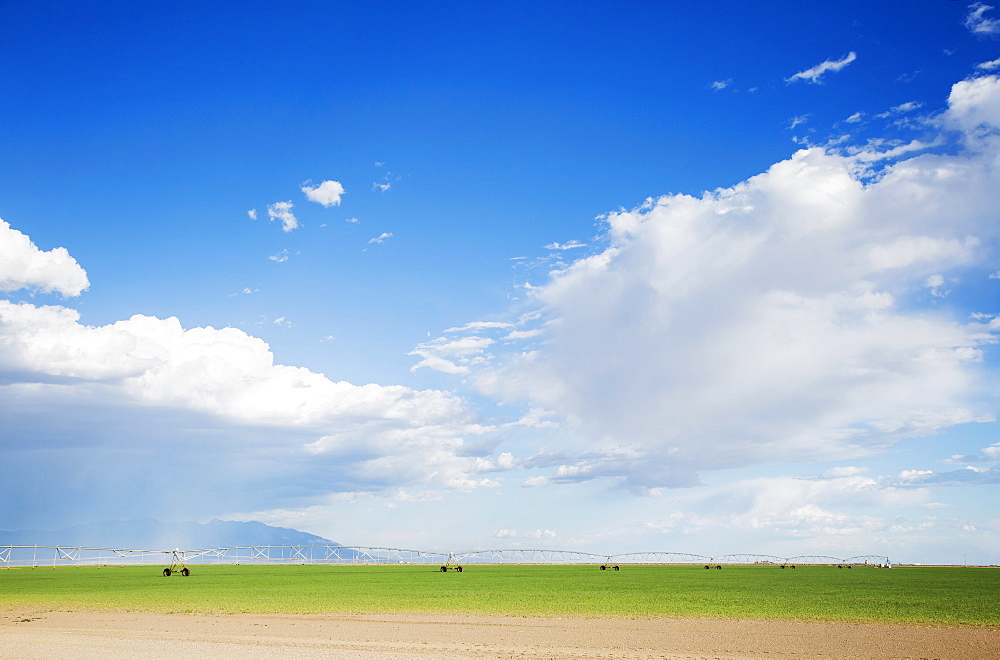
(799, 315)
(96, 410)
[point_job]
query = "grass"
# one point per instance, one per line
(925, 595)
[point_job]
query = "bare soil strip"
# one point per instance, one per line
(414, 636)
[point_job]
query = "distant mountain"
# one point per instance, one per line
(149, 534)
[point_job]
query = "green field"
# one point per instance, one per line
(925, 595)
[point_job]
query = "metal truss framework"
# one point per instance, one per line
(13, 556)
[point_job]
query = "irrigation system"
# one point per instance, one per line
(37, 556)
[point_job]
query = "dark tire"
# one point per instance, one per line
(458, 568)
(617, 568)
(793, 567)
(166, 572)
(707, 567)
(782, 567)
(185, 572)
(719, 567)
(444, 569)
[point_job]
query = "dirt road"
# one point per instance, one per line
(145, 635)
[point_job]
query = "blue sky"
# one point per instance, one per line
(608, 277)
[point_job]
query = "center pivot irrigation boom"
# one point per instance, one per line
(452, 563)
(178, 559)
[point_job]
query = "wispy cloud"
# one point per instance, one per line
(387, 180)
(721, 84)
(381, 238)
(280, 257)
(571, 245)
(977, 22)
(814, 74)
(900, 109)
(480, 325)
(453, 356)
(798, 121)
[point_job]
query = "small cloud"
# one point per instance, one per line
(280, 258)
(977, 23)
(721, 84)
(282, 321)
(541, 533)
(252, 214)
(814, 74)
(572, 245)
(387, 180)
(379, 163)
(327, 193)
(855, 118)
(995, 276)
(795, 121)
(935, 284)
(989, 66)
(909, 106)
(353, 221)
(381, 238)
(327, 339)
(523, 334)
(902, 108)
(503, 462)
(283, 211)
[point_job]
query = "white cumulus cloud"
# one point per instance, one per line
(327, 193)
(146, 390)
(24, 266)
(283, 211)
(975, 103)
(773, 320)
